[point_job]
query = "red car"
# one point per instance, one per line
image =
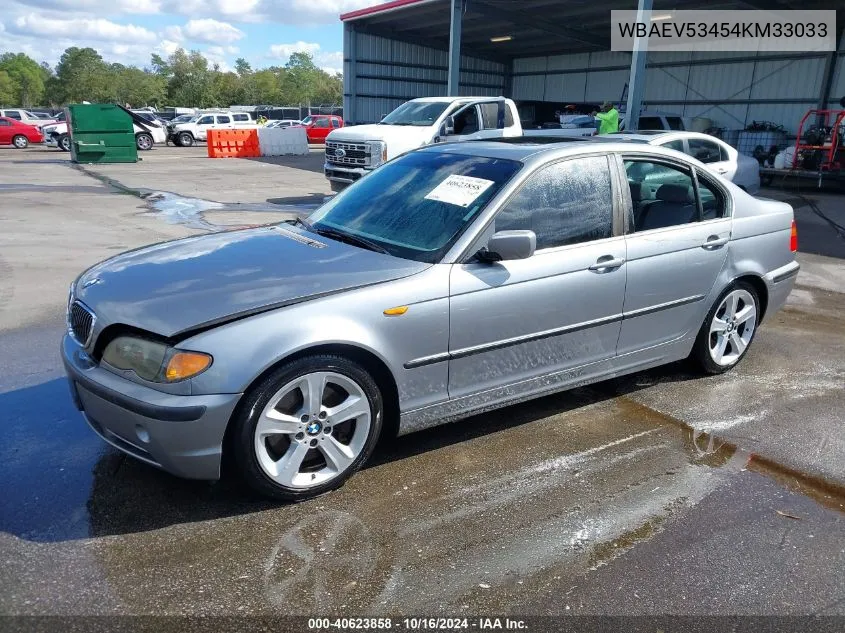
(318, 126)
(18, 134)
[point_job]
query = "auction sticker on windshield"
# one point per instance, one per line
(459, 190)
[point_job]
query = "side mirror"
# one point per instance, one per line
(449, 126)
(507, 245)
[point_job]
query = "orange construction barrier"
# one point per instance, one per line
(233, 144)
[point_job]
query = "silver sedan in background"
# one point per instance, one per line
(452, 280)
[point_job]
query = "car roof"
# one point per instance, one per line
(661, 136)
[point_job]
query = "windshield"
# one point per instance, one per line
(416, 206)
(306, 120)
(421, 113)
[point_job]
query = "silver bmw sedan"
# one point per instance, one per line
(452, 280)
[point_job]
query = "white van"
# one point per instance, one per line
(353, 151)
(196, 129)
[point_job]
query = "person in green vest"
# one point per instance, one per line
(608, 118)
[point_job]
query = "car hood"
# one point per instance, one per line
(184, 285)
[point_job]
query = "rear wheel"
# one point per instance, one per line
(307, 427)
(20, 141)
(728, 329)
(144, 141)
(186, 139)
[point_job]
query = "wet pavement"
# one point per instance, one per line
(658, 493)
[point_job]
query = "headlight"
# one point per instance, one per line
(378, 153)
(154, 361)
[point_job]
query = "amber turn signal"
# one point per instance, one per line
(186, 364)
(397, 311)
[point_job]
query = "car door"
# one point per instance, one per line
(676, 245)
(5, 132)
(556, 314)
(223, 122)
(468, 124)
(203, 125)
(319, 131)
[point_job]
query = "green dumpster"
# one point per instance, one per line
(101, 133)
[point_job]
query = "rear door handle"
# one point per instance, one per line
(714, 241)
(607, 262)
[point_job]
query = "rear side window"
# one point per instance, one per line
(335, 123)
(5, 123)
(508, 117)
(661, 195)
(704, 150)
(566, 203)
(13, 114)
(675, 123)
(241, 117)
(677, 145)
(224, 119)
(713, 204)
(489, 115)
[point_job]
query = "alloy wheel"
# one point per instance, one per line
(20, 142)
(312, 429)
(732, 327)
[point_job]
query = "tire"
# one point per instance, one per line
(144, 141)
(710, 354)
(321, 451)
(20, 141)
(63, 143)
(185, 139)
(337, 187)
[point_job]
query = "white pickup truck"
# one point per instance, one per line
(353, 151)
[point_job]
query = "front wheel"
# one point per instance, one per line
(337, 187)
(307, 427)
(728, 329)
(144, 141)
(64, 143)
(20, 141)
(185, 139)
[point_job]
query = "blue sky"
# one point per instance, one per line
(264, 32)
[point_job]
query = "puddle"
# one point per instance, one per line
(190, 212)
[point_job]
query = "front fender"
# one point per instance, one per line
(243, 350)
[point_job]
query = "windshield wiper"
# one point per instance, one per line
(305, 224)
(351, 239)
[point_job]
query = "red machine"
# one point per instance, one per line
(820, 137)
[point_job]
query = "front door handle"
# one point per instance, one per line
(607, 262)
(714, 241)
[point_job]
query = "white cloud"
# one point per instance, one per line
(173, 33)
(99, 29)
(212, 32)
(284, 51)
(96, 7)
(168, 47)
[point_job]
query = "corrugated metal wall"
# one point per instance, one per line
(390, 72)
(732, 89)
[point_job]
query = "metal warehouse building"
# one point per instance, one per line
(558, 51)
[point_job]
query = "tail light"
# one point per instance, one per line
(793, 238)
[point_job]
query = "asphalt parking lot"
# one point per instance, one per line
(659, 493)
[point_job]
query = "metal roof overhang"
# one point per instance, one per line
(538, 27)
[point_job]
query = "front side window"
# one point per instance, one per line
(675, 122)
(322, 123)
(335, 123)
(416, 205)
(13, 114)
(206, 120)
(566, 203)
(677, 145)
(662, 195)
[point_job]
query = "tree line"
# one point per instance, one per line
(185, 78)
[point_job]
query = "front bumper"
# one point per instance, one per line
(180, 434)
(343, 174)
